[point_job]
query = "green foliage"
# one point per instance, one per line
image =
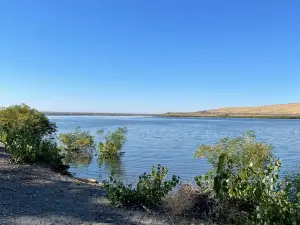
(149, 191)
(251, 185)
(152, 187)
(112, 144)
(266, 195)
(241, 150)
(294, 179)
(275, 206)
(120, 193)
(49, 153)
(23, 131)
(17, 118)
(77, 141)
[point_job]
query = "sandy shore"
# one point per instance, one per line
(32, 194)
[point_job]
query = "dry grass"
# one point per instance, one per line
(225, 213)
(283, 109)
(183, 201)
(187, 201)
(279, 110)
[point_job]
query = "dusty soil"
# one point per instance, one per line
(32, 194)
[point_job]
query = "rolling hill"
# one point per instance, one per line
(291, 110)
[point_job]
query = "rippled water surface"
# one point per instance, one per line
(172, 141)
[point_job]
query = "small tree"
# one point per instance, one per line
(77, 141)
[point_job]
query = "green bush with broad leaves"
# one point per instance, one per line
(149, 191)
(247, 181)
(240, 151)
(77, 141)
(293, 177)
(112, 144)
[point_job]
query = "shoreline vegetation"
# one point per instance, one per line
(282, 111)
(35, 195)
(243, 186)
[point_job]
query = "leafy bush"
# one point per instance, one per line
(22, 131)
(255, 188)
(293, 178)
(50, 154)
(77, 141)
(241, 150)
(25, 134)
(112, 144)
(149, 191)
(249, 187)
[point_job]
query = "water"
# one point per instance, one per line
(172, 141)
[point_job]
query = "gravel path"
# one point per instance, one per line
(31, 194)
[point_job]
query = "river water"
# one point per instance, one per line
(172, 141)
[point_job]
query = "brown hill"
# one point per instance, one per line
(291, 108)
(278, 110)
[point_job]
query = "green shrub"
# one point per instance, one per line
(248, 186)
(241, 150)
(25, 134)
(293, 178)
(50, 154)
(112, 144)
(76, 141)
(23, 131)
(120, 193)
(149, 191)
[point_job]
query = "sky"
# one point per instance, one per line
(148, 56)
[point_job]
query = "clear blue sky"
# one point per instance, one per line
(149, 56)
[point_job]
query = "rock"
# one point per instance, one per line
(87, 180)
(92, 180)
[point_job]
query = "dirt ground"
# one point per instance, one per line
(32, 194)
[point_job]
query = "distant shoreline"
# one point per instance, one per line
(95, 114)
(179, 115)
(277, 111)
(249, 116)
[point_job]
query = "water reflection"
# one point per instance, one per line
(178, 140)
(112, 166)
(82, 158)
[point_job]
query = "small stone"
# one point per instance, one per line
(92, 180)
